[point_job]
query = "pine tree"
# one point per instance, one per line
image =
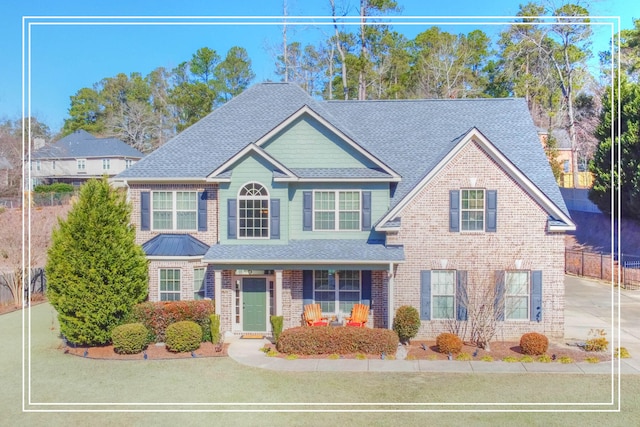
(606, 178)
(95, 271)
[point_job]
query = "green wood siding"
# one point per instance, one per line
(253, 168)
(307, 144)
(379, 206)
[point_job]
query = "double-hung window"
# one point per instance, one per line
(106, 164)
(516, 296)
(336, 210)
(337, 292)
(169, 284)
(128, 163)
(82, 165)
(472, 209)
(198, 283)
(443, 285)
(175, 210)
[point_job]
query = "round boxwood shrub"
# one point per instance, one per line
(406, 323)
(534, 344)
(130, 338)
(183, 336)
(449, 343)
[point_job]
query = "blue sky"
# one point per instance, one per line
(69, 54)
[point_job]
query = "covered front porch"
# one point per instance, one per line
(252, 283)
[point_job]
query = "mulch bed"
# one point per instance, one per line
(153, 352)
(499, 350)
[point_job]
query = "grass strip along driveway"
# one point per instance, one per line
(61, 382)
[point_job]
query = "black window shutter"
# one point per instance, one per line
(366, 288)
(275, 218)
(145, 211)
(202, 211)
(461, 295)
(536, 296)
(307, 287)
(366, 210)
(454, 211)
(307, 211)
(232, 218)
(491, 211)
(499, 300)
(425, 295)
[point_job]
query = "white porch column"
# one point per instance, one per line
(217, 290)
(390, 298)
(278, 291)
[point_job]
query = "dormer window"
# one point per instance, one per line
(253, 212)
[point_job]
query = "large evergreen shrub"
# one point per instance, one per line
(95, 271)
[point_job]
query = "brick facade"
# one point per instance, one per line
(521, 235)
(209, 237)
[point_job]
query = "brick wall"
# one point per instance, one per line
(209, 237)
(186, 278)
(521, 234)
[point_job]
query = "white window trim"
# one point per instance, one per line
(506, 296)
(336, 211)
(336, 291)
(106, 164)
(455, 303)
(174, 210)
(160, 291)
(38, 165)
(267, 198)
(53, 164)
(483, 210)
(128, 163)
(82, 162)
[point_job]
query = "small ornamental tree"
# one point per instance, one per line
(95, 270)
(406, 323)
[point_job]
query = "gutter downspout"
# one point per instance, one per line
(390, 299)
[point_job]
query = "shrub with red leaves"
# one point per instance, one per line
(157, 316)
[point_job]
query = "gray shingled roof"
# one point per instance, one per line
(410, 136)
(174, 245)
(81, 144)
(339, 173)
(300, 251)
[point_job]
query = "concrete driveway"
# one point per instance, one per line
(588, 304)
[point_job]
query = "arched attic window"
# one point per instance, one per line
(253, 212)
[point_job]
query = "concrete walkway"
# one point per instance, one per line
(587, 306)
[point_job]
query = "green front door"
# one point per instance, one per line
(254, 304)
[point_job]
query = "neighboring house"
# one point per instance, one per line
(277, 200)
(563, 147)
(80, 156)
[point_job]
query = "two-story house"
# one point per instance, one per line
(80, 156)
(276, 200)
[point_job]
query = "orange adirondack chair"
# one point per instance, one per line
(313, 315)
(359, 315)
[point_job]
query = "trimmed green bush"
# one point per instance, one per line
(183, 336)
(276, 326)
(340, 340)
(130, 338)
(534, 343)
(157, 316)
(215, 328)
(406, 323)
(56, 187)
(449, 343)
